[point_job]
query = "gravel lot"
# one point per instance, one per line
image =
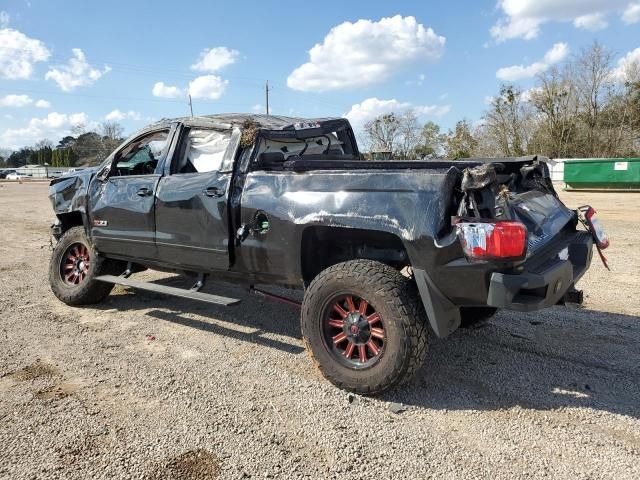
(146, 386)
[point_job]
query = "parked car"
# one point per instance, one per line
(382, 249)
(4, 173)
(13, 176)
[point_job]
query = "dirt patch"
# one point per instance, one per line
(196, 464)
(35, 370)
(59, 391)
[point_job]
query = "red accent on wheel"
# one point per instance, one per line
(349, 351)
(362, 353)
(350, 305)
(354, 331)
(341, 337)
(75, 263)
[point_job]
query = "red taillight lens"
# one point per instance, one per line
(497, 240)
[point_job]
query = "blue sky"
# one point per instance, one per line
(444, 61)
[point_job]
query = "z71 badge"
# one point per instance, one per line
(100, 223)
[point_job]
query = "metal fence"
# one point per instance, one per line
(37, 171)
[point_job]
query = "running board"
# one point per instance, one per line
(176, 292)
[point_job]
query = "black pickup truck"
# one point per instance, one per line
(382, 249)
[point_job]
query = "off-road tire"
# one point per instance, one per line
(475, 317)
(90, 290)
(396, 299)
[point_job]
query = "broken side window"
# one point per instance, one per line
(204, 151)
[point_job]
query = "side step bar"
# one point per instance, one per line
(176, 292)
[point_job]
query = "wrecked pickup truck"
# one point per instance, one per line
(382, 249)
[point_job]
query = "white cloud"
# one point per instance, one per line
(257, 108)
(629, 65)
(523, 18)
(15, 101)
(76, 73)
(556, 54)
(116, 115)
(371, 108)
(591, 22)
(18, 53)
(166, 91)
(214, 59)
(366, 52)
(4, 19)
(18, 101)
(418, 82)
(432, 110)
(208, 86)
(54, 125)
(632, 13)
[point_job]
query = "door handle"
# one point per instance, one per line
(214, 192)
(144, 192)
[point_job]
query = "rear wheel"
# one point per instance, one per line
(74, 266)
(364, 325)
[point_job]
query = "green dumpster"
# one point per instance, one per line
(602, 173)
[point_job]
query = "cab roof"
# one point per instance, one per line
(231, 120)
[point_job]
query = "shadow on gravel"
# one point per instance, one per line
(261, 316)
(555, 358)
(544, 361)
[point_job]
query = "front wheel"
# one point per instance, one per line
(364, 325)
(73, 268)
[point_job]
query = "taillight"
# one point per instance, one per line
(493, 240)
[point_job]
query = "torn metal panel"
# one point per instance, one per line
(413, 206)
(69, 193)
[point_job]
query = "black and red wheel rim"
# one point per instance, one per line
(74, 266)
(354, 331)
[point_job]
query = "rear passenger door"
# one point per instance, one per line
(191, 201)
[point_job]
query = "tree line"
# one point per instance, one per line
(83, 147)
(584, 108)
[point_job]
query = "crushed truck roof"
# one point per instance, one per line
(230, 120)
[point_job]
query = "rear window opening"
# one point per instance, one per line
(332, 141)
(326, 145)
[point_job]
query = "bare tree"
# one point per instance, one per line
(409, 132)
(555, 101)
(44, 143)
(78, 129)
(383, 132)
(111, 130)
(508, 121)
(591, 71)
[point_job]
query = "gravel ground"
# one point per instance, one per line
(146, 386)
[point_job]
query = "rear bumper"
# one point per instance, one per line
(543, 283)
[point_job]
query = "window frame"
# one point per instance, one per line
(116, 156)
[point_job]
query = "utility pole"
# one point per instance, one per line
(266, 91)
(190, 105)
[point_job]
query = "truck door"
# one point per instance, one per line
(122, 201)
(191, 210)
